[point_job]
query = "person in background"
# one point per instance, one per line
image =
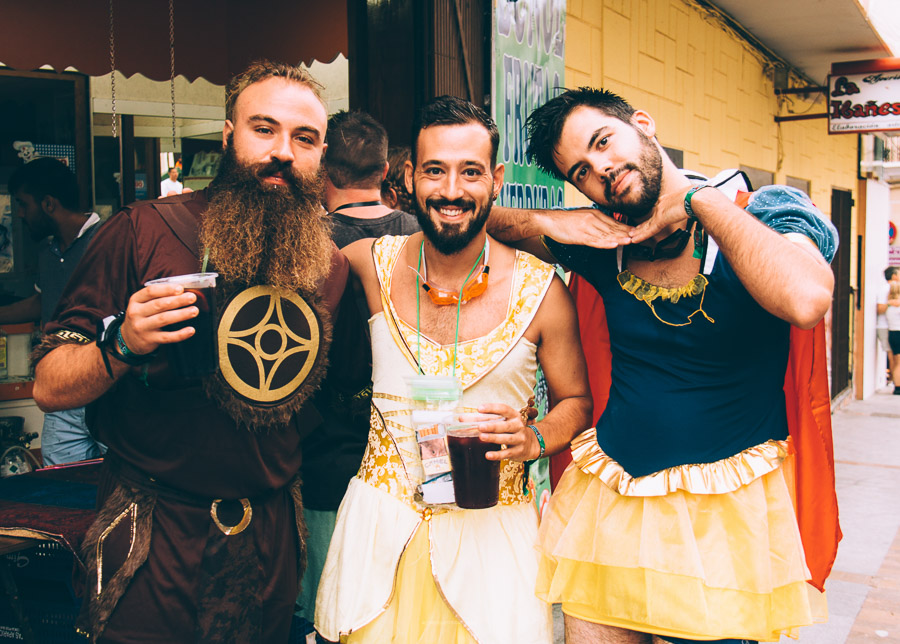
(171, 185)
(892, 313)
(46, 196)
(393, 188)
(891, 274)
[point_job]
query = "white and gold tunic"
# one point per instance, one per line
(482, 562)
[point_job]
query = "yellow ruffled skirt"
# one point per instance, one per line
(417, 612)
(691, 565)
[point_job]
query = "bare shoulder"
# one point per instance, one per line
(359, 254)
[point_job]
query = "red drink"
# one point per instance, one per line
(476, 480)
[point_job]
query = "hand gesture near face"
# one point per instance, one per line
(589, 227)
(668, 211)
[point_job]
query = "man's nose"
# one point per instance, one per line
(452, 188)
(283, 150)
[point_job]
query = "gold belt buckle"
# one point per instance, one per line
(240, 526)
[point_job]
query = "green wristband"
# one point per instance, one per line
(540, 439)
(687, 199)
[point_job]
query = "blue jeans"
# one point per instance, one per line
(65, 438)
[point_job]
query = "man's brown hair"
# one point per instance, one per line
(261, 70)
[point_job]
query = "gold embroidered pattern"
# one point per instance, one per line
(392, 464)
(475, 358)
(726, 475)
(647, 293)
(73, 336)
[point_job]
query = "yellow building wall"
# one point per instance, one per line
(711, 93)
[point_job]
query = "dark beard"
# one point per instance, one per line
(649, 166)
(450, 239)
(258, 233)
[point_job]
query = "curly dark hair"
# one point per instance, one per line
(545, 124)
(395, 180)
(451, 110)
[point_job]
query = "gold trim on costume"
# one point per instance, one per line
(66, 334)
(130, 510)
(647, 293)
(386, 466)
(250, 340)
(722, 476)
(477, 357)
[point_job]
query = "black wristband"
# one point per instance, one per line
(107, 333)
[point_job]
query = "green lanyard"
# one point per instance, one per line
(458, 306)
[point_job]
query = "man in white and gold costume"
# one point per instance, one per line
(400, 570)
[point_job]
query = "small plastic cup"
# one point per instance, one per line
(197, 356)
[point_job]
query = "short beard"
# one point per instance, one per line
(453, 238)
(649, 166)
(258, 233)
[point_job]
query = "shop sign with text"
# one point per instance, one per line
(529, 66)
(865, 97)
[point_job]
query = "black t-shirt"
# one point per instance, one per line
(331, 456)
(350, 229)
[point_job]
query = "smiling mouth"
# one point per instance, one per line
(451, 212)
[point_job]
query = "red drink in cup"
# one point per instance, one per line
(476, 480)
(197, 356)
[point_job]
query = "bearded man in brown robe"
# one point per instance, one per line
(199, 535)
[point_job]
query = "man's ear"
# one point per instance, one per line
(644, 122)
(498, 172)
(49, 204)
(226, 132)
(408, 176)
(387, 167)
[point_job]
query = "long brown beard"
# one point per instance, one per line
(265, 234)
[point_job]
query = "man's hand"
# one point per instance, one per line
(151, 309)
(521, 443)
(669, 210)
(585, 227)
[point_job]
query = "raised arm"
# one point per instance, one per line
(562, 360)
(75, 374)
(523, 227)
(785, 273)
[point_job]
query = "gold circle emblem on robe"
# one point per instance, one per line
(269, 341)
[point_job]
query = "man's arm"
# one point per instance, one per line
(522, 228)
(785, 274)
(73, 375)
(562, 360)
(25, 310)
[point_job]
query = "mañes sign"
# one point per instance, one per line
(864, 96)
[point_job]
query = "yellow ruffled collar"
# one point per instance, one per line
(646, 292)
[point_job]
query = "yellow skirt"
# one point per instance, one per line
(697, 566)
(417, 612)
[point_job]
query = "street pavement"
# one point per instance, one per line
(864, 587)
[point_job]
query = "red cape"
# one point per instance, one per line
(809, 421)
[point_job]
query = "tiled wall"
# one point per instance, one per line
(710, 92)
